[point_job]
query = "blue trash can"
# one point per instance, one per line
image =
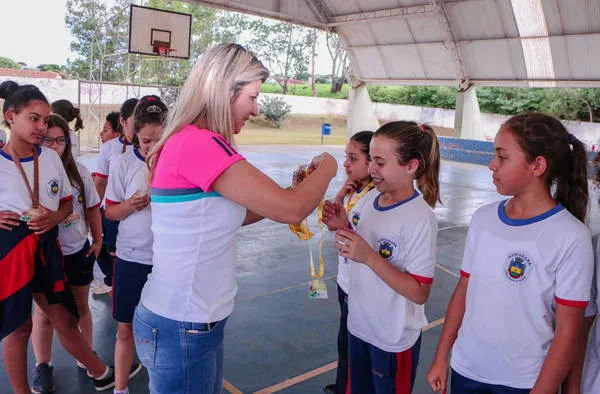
(326, 129)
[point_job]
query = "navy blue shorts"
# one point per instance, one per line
(128, 282)
(79, 268)
(462, 385)
(373, 370)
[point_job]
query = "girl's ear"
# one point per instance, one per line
(540, 166)
(412, 166)
(9, 116)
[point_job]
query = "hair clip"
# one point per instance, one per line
(421, 127)
(154, 109)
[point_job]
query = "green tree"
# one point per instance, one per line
(50, 67)
(283, 46)
(339, 60)
(9, 63)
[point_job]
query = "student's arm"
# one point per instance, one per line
(94, 218)
(247, 186)
(437, 376)
(572, 383)
(560, 358)
(100, 181)
(120, 210)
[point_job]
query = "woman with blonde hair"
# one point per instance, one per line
(203, 190)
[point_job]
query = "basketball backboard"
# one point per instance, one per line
(157, 32)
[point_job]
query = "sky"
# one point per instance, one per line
(34, 32)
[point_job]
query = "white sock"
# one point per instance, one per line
(105, 374)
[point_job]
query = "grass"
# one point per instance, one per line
(296, 130)
(323, 90)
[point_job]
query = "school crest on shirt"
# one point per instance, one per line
(355, 218)
(517, 267)
(53, 188)
(387, 248)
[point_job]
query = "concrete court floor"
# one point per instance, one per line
(278, 339)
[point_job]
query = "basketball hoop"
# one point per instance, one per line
(164, 51)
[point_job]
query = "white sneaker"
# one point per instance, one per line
(100, 288)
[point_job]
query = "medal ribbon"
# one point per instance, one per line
(351, 203)
(35, 193)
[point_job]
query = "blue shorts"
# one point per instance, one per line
(128, 281)
(79, 268)
(373, 370)
(462, 385)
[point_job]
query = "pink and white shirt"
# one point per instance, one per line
(194, 227)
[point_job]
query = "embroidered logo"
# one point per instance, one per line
(517, 267)
(355, 218)
(387, 247)
(53, 188)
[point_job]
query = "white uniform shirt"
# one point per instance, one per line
(53, 181)
(591, 373)
(108, 152)
(72, 232)
(134, 240)
(518, 271)
(405, 235)
(75, 148)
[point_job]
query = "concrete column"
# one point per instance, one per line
(361, 111)
(467, 118)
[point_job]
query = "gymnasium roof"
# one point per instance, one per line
(526, 43)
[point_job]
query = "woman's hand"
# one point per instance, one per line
(354, 247)
(8, 220)
(326, 161)
(334, 216)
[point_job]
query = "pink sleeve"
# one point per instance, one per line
(205, 156)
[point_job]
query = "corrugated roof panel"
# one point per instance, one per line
(426, 29)
(357, 34)
(400, 62)
(392, 31)
(490, 24)
(582, 54)
(573, 17)
(437, 61)
(370, 64)
(494, 59)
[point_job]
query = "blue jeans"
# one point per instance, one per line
(180, 357)
(462, 385)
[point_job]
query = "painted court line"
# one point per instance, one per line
(446, 270)
(231, 388)
(321, 370)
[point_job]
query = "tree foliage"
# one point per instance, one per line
(284, 47)
(9, 63)
(339, 60)
(274, 109)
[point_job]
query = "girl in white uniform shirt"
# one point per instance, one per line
(127, 201)
(389, 238)
(79, 255)
(35, 195)
(517, 311)
(202, 192)
(356, 186)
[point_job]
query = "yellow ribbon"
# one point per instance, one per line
(351, 203)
